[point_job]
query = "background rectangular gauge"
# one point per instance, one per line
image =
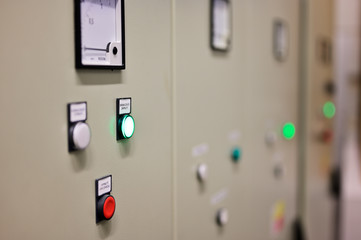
(280, 40)
(221, 25)
(324, 50)
(99, 34)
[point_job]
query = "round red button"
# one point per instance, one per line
(109, 207)
(327, 136)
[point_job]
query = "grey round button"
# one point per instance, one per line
(202, 172)
(222, 217)
(81, 135)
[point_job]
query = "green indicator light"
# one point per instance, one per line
(236, 154)
(127, 126)
(329, 110)
(289, 131)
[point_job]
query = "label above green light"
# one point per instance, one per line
(289, 131)
(329, 110)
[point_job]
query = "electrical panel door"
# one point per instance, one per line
(49, 192)
(272, 116)
(231, 109)
(318, 206)
(211, 155)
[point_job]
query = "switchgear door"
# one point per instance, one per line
(209, 111)
(240, 100)
(319, 111)
(49, 192)
(272, 116)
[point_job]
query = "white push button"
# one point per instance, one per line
(81, 135)
(202, 172)
(222, 217)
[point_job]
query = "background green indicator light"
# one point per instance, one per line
(289, 131)
(329, 110)
(236, 154)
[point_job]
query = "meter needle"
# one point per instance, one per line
(95, 49)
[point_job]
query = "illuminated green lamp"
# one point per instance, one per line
(329, 110)
(236, 154)
(289, 130)
(127, 126)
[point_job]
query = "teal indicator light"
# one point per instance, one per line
(236, 154)
(289, 130)
(329, 110)
(127, 126)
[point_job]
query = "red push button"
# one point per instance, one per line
(327, 136)
(105, 208)
(109, 207)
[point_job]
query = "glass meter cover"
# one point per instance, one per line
(99, 34)
(221, 28)
(280, 40)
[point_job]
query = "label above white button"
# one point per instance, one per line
(104, 185)
(78, 112)
(125, 106)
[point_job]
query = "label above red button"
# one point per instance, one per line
(104, 185)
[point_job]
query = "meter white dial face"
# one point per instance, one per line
(101, 32)
(98, 29)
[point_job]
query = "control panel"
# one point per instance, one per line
(155, 119)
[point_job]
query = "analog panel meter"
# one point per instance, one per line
(221, 28)
(99, 34)
(280, 40)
